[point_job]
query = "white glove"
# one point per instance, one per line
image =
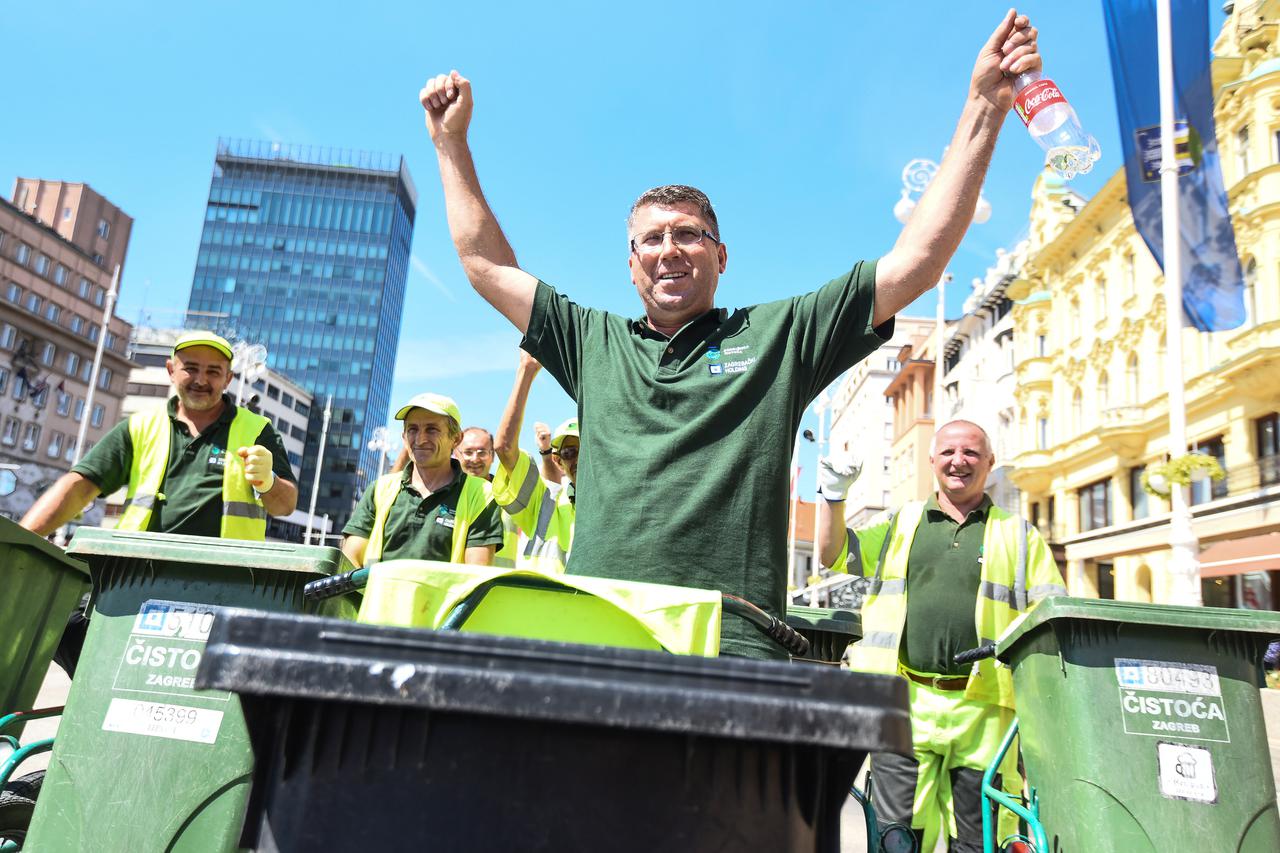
(836, 474)
(257, 468)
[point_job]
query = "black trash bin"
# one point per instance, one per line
(382, 738)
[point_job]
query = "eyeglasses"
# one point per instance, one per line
(683, 236)
(568, 454)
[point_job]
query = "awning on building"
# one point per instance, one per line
(1236, 556)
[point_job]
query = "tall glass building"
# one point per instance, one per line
(306, 250)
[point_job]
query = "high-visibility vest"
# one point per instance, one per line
(243, 515)
(546, 519)
(1018, 571)
(471, 503)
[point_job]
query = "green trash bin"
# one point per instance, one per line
(829, 631)
(143, 761)
(1142, 725)
(39, 588)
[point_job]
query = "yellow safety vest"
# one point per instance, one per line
(471, 503)
(1011, 584)
(243, 515)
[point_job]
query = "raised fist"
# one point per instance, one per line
(447, 101)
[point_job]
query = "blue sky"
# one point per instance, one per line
(795, 118)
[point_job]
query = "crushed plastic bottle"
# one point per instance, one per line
(1052, 123)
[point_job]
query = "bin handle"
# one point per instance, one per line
(336, 585)
(980, 653)
(771, 626)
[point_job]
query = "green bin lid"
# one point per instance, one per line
(1162, 615)
(94, 542)
(14, 534)
(824, 619)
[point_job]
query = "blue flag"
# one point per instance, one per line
(1212, 281)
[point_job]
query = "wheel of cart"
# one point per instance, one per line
(541, 718)
(1140, 727)
(40, 587)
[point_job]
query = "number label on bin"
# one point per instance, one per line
(1186, 772)
(164, 651)
(1162, 697)
(161, 719)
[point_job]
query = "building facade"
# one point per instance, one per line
(306, 251)
(911, 393)
(862, 421)
(59, 244)
(1091, 380)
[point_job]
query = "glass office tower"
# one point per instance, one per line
(306, 250)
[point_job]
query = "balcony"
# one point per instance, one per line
(1033, 470)
(1255, 362)
(1123, 430)
(1035, 371)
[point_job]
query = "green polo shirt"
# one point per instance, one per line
(686, 441)
(192, 484)
(944, 572)
(416, 528)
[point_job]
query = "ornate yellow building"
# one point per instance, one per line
(1090, 352)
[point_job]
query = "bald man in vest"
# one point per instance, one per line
(946, 575)
(432, 509)
(198, 465)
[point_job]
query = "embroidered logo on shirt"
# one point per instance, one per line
(715, 369)
(217, 458)
(446, 517)
(713, 354)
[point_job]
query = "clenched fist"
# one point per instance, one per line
(257, 467)
(542, 434)
(447, 101)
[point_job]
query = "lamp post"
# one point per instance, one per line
(315, 480)
(384, 442)
(248, 362)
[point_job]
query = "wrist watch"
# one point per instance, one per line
(546, 452)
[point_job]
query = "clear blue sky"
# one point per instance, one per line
(795, 118)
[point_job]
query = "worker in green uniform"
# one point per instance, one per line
(432, 510)
(546, 517)
(475, 454)
(946, 575)
(198, 465)
(688, 387)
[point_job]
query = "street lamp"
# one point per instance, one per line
(248, 361)
(384, 442)
(916, 177)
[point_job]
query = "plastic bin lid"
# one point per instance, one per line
(824, 619)
(290, 656)
(91, 542)
(14, 534)
(1164, 615)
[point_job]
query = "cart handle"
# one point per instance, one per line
(980, 653)
(772, 627)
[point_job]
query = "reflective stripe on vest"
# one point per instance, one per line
(150, 433)
(1002, 586)
(474, 498)
(543, 551)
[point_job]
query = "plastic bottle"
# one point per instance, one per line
(1052, 123)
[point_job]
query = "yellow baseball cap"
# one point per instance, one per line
(566, 429)
(437, 403)
(202, 339)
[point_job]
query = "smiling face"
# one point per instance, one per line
(676, 283)
(567, 456)
(430, 439)
(475, 452)
(199, 374)
(961, 460)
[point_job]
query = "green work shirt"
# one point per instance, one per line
(944, 573)
(412, 531)
(686, 440)
(192, 485)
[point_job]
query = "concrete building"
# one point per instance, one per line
(59, 243)
(862, 421)
(1090, 354)
(912, 394)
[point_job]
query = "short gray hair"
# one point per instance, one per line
(673, 194)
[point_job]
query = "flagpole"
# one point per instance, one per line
(1184, 564)
(97, 364)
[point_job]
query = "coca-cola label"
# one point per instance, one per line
(1036, 97)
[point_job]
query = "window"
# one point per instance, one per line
(111, 340)
(1275, 139)
(104, 378)
(1251, 293)
(42, 265)
(40, 398)
(79, 412)
(1130, 275)
(64, 403)
(66, 213)
(286, 399)
(70, 455)
(23, 254)
(55, 445)
(1077, 412)
(1207, 490)
(299, 434)
(1137, 495)
(1107, 581)
(1268, 432)
(48, 353)
(104, 228)
(99, 296)
(73, 363)
(1042, 433)
(1095, 505)
(86, 288)
(77, 324)
(60, 275)
(1104, 391)
(1131, 376)
(97, 259)
(302, 408)
(33, 303)
(10, 434)
(8, 336)
(52, 312)
(4, 379)
(1242, 151)
(99, 412)
(13, 293)
(30, 437)
(86, 367)
(92, 333)
(273, 392)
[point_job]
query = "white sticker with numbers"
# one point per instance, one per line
(162, 719)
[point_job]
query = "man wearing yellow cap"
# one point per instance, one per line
(432, 510)
(199, 465)
(546, 518)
